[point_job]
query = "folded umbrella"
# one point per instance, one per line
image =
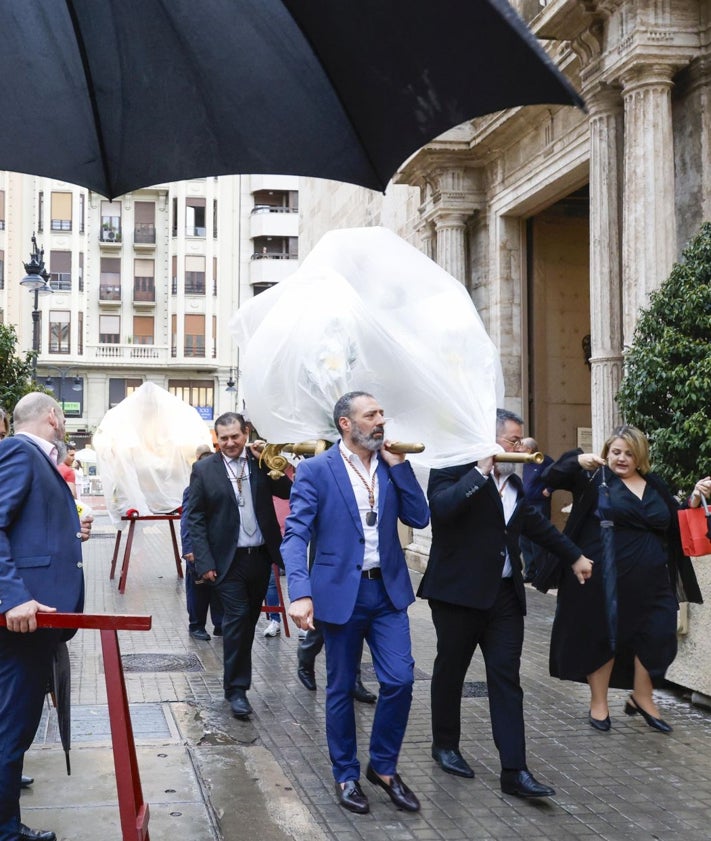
(607, 560)
(60, 690)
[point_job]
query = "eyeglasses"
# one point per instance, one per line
(513, 442)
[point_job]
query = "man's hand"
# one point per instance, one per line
(22, 618)
(486, 465)
(582, 569)
(85, 523)
(302, 612)
(391, 458)
(210, 576)
(257, 447)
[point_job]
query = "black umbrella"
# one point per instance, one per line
(60, 690)
(120, 94)
(607, 560)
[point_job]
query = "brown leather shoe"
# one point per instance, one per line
(396, 790)
(351, 797)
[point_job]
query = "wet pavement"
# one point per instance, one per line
(210, 777)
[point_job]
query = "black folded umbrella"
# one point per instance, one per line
(60, 690)
(607, 559)
(115, 95)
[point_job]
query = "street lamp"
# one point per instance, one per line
(64, 374)
(231, 389)
(36, 280)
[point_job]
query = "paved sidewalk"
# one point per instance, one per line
(209, 777)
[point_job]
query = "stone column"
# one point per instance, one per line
(428, 240)
(451, 231)
(605, 107)
(649, 228)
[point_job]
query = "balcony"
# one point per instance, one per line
(109, 295)
(145, 355)
(271, 269)
(60, 281)
(144, 236)
(110, 238)
(268, 223)
(144, 292)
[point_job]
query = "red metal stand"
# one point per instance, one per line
(132, 520)
(133, 810)
(280, 608)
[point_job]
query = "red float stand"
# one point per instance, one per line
(132, 519)
(133, 810)
(280, 608)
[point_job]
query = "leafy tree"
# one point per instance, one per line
(15, 370)
(666, 389)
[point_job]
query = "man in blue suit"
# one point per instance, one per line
(348, 501)
(40, 572)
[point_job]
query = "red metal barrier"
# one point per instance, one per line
(280, 608)
(133, 810)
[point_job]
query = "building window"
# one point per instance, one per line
(110, 221)
(40, 211)
(81, 271)
(109, 329)
(80, 333)
(143, 330)
(110, 280)
(82, 213)
(120, 389)
(194, 336)
(59, 329)
(258, 288)
(214, 275)
(145, 222)
(195, 217)
(200, 394)
(194, 275)
(214, 337)
(61, 212)
(2, 210)
(214, 218)
(276, 248)
(144, 288)
(276, 201)
(60, 270)
(2, 269)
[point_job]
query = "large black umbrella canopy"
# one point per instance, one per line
(115, 95)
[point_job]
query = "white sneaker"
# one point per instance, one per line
(273, 629)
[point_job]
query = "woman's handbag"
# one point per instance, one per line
(695, 528)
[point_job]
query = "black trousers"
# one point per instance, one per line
(242, 592)
(499, 633)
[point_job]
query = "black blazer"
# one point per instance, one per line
(213, 514)
(470, 538)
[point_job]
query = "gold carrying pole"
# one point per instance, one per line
(272, 456)
(520, 458)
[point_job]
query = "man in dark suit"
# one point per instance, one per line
(40, 572)
(475, 589)
(235, 540)
(348, 501)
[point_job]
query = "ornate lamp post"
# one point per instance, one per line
(36, 280)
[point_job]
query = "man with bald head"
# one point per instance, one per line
(40, 572)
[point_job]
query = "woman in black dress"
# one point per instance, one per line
(652, 575)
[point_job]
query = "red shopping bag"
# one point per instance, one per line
(695, 527)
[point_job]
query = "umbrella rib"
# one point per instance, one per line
(337, 94)
(92, 95)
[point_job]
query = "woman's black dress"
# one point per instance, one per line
(647, 605)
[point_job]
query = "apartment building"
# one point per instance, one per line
(142, 288)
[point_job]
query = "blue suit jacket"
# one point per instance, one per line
(324, 509)
(40, 553)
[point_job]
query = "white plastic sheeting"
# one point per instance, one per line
(145, 448)
(367, 311)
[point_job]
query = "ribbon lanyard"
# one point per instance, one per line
(371, 517)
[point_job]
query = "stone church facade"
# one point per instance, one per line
(561, 223)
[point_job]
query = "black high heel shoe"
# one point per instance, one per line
(632, 708)
(601, 724)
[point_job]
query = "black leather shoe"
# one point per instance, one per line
(360, 693)
(351, 797)
(523, 784)
(632, 708)
(240, 705)
(601, 724)
(451, 761)
(200, 634)
(36, 834)
(217, 631)
(307, 677)
(397, 791)
(26, 781)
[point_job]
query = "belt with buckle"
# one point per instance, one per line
(375, 573)
(250, 550)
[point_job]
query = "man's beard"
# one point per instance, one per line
(369, 442)
(506, 468)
